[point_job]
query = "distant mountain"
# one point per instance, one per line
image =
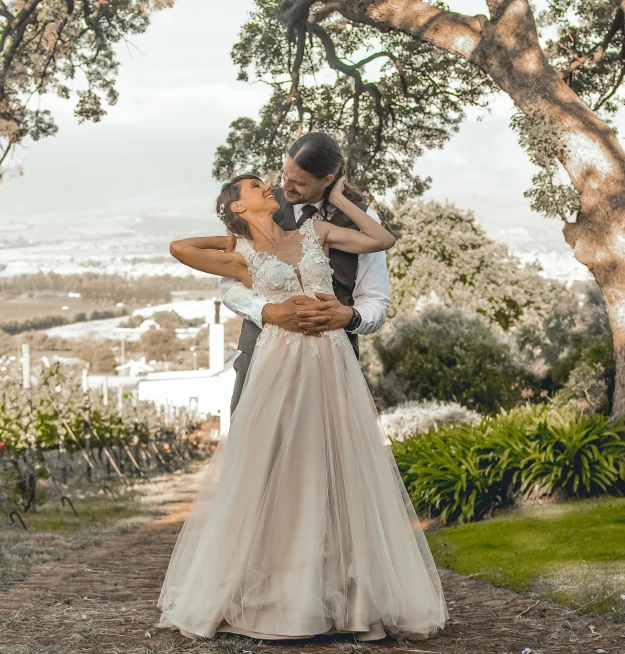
(144, 231)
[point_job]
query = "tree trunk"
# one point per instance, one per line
(506, 48)
(614, 295)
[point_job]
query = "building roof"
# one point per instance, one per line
(194, 374)
(137, 366)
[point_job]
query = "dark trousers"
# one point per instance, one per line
(241, 365)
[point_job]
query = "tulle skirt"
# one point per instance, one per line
(302, 525)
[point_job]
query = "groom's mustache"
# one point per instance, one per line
(293, 198)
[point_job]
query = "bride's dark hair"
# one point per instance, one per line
(319, 154)
(231, 192)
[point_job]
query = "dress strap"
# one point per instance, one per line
(246, 248)
(308, 231)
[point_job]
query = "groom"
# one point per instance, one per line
(360, 282)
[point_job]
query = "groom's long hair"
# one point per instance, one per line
(319, 154)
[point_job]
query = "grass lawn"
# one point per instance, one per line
(54, 532)
(573, 553)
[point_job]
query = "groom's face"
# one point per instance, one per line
(301, 187)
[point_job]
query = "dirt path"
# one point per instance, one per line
(102, 600)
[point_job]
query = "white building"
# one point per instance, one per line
(209, 390)
(134, 368)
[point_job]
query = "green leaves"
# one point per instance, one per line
(42, 49)
(447, 355)
(577, 457)
(447, 476)
(385, 96)
(444, 251)
(577, 31)
(539, 135)
(463, 473)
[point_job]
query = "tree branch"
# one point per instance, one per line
(615, 87)
(383, 111)
(16, 31)
(7, 150)
(6, 13)
(327, 10)
(25, 14)
(462, 34)
(91, 20)
(18, 22)
(370, 58)
(52, 57)
(598, 50)
(459, 34)
(299, 36)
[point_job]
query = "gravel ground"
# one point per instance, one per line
(102, 599)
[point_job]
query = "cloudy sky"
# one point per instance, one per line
(152, 154)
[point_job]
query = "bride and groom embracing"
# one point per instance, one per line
(301, 525)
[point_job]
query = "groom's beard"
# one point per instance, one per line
(296, 198)
(293, 198)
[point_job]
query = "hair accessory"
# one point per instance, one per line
(222, 211)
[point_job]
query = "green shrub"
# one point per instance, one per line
(449, 356)
(463, 473)
(446, 475)
(586, 389)
(577, 456)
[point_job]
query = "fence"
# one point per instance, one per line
(53, 427)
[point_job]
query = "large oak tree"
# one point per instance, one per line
(563, 67)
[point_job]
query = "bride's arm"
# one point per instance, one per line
(212, 254)
(372, 237)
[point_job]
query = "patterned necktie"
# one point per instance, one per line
(308, 210)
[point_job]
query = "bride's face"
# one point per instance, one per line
(255, 197)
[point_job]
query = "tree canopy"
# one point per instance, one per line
(52, 46)
(444, 257)
(385, 96)
(388, 96)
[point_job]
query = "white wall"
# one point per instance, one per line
(212, 390)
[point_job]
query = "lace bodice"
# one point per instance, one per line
(276, 281)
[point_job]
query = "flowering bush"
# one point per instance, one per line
(410, 418)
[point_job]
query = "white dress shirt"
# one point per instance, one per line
(371, 293)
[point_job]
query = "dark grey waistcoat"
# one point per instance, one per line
(344, 265)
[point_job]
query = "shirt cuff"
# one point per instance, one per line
(373, 317)
(256, 310)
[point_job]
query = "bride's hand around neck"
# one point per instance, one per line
(212, 254)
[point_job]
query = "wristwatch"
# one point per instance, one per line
(354, 323)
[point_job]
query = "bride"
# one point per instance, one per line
(302, 525)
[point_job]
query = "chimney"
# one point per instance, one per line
(217, 307)
(216, 342)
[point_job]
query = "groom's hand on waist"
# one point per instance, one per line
(325, 314)
(285, 314)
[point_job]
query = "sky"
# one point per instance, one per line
(152, 154)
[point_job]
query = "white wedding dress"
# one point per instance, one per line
(302, 524)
